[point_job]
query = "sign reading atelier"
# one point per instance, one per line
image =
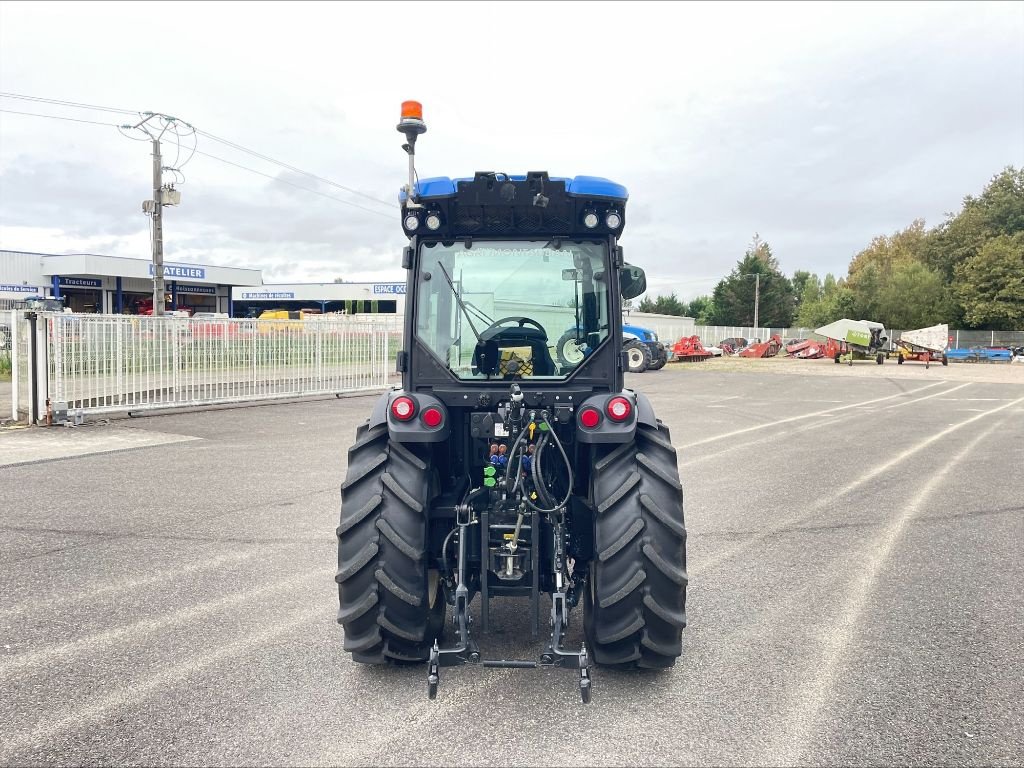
(183, 271)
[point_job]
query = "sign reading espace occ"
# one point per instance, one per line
(389, 288)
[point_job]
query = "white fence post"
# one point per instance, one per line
(15, 371)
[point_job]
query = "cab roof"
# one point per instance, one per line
(577, 186)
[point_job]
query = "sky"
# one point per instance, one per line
(817, 126)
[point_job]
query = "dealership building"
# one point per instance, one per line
(113, 284)
(350, 298)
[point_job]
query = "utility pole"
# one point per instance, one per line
(757, 296)
(158, 232)
(154, 125)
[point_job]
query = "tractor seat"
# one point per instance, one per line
(514, 353)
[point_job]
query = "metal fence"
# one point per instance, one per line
(103, 363)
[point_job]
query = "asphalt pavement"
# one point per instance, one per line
(167, 593)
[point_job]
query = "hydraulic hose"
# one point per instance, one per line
(538, 478)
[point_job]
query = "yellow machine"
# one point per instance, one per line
(267, 318)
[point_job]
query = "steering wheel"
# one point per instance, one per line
(522, 321)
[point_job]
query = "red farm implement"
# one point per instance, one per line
(768, 348)
(689, 350)
(811, 349)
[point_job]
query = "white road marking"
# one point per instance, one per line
(54, 655)
(133, 692)
(829, 499)
(790, 746)
(928, 397)
(163, 576)
(800, 417)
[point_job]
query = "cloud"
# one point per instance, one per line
(818, 126)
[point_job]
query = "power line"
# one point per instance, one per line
(226, 142)
(291, 184)
(195, 151)
(254, 153)
(63, 103)
(57, 117)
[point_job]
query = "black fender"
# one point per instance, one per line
(645, 411)
(414, 430)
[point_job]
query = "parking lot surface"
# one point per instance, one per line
(167, 592)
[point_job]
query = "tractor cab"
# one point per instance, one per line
(501, 265)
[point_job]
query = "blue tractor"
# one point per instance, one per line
(499, 470)
(641, 346)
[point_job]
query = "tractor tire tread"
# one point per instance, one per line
(385, 609)
(635, 604)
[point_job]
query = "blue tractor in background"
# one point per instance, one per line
(643, 350)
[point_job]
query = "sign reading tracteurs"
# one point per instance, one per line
(389, 288)
(183, 271)
(80, 282)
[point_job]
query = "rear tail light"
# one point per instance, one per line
(432, 417)
(403, 408)
(590, 417)
(619, 409)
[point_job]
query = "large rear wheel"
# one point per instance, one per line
(638, 356)
(658, 360)
(390, 603)
(635, 605)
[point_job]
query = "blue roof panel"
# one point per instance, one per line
(578, 186)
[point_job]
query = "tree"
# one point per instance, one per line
(339, 280)
(824, 302)
(914, 296)
(990, 284)
(701, 309)
(998, 210)
(734, 295)
(664, 305)
(799, 281)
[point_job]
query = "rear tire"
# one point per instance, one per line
(658, 361)
(390, 604)
(635, 602)
(569, 349)
(638, 356)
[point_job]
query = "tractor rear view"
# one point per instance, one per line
(499, 469)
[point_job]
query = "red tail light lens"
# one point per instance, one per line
(619, 409)
(590, 417)
(432, 417)
(403, 408)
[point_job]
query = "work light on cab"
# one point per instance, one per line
(403, 408)
(613, 220)
(619, 409)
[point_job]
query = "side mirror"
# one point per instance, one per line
(632, 281)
